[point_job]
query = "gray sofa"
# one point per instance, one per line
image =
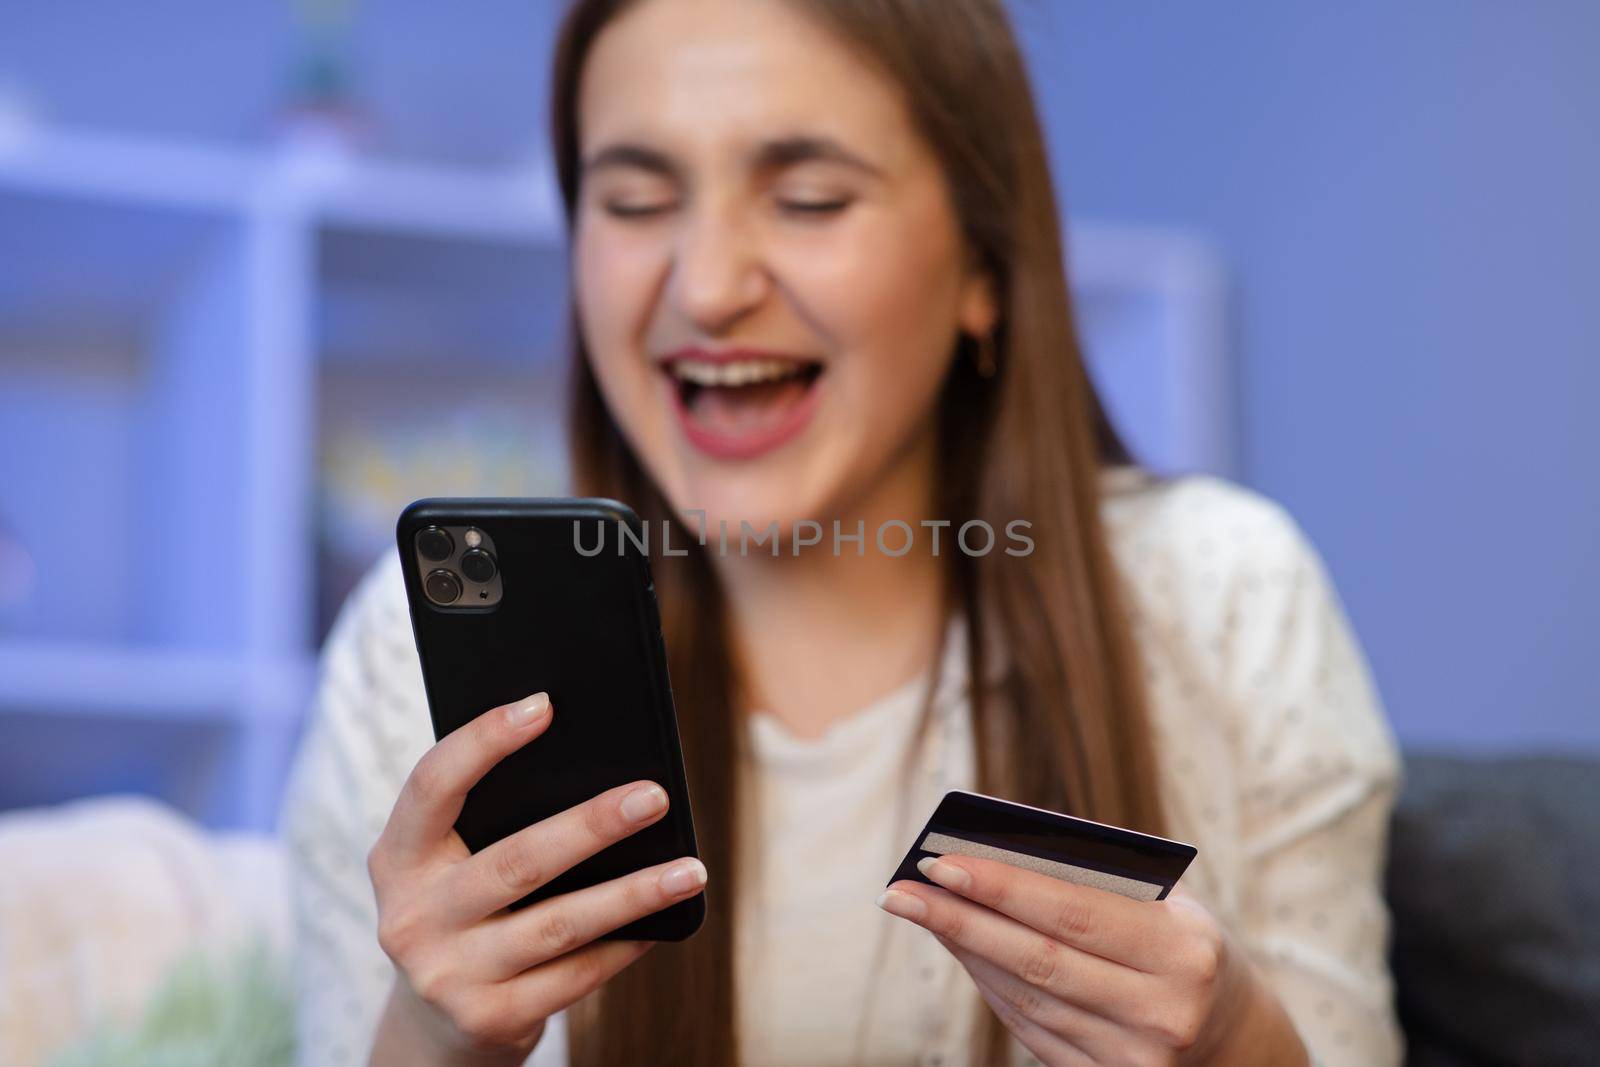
(1494, 881)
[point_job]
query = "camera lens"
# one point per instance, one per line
(435, 544)
(477, 565)
(442, 587)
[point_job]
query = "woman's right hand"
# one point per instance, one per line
(477, 982)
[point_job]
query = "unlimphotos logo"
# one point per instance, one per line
(893, 537)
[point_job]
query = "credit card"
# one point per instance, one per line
(1074, 850)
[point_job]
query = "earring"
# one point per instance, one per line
(986, 358)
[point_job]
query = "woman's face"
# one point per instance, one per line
(769, 272)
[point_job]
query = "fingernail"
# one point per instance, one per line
(902, 904)
(683, 877)
(640, 804)
(948, 875)
(527, 712)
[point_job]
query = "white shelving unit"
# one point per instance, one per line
(173, 323)
(191, 338)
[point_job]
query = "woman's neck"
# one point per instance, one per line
(823, 634)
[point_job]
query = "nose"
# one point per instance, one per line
(718, 276)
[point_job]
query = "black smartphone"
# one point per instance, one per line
(513, 597)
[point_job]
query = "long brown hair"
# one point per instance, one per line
(1066, 727)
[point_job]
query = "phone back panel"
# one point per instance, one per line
(583, 628)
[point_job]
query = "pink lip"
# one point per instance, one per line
(742, 445)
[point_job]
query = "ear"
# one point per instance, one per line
(979, 307)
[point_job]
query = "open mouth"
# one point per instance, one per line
(736, 408)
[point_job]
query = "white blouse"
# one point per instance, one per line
(1275, 758)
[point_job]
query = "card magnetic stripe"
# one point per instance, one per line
(944, 844)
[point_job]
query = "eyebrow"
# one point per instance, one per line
(770, 156)
(786, 151)
(631, 156)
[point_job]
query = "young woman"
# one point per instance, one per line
(817, 278)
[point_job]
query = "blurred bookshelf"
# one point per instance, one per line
(223, 372)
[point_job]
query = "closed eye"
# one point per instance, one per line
(814, 207)
(639, 210)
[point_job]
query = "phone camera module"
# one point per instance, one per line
(442, 587)
(477, 565)
(435, 544)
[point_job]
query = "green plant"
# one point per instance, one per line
(238, 1011)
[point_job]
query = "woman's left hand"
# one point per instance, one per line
(1082, 976)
